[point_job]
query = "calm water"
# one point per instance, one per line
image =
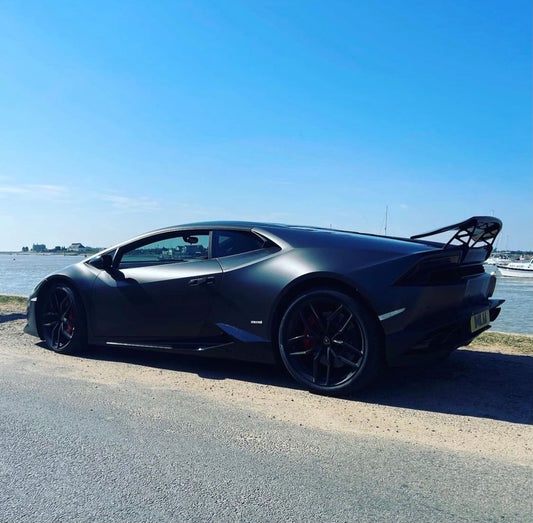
(20, 273)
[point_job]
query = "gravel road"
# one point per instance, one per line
(121, 436)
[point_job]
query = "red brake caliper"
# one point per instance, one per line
(70, 326)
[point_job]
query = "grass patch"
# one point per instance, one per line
(12, 304)
(520, 342)
(5, 299)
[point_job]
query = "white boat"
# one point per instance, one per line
(499, 260)
(517, 269)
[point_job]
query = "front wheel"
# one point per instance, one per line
(62, 321)
(329, 342)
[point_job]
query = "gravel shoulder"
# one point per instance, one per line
(479, 401)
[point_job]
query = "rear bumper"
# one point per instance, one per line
(437, 335)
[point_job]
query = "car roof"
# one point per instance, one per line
(281, 230)
(296, 234)
(233, 224)
(257, 225)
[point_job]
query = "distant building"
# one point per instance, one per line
(76, 247)
(39, 247)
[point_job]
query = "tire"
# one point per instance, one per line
(330, 343)
(62, 322)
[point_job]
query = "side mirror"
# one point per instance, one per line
(103, 262)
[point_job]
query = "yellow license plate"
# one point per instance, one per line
(479, 320)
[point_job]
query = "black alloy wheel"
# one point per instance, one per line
(62, 322)
(329, 342)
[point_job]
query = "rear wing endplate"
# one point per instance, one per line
(478, 231)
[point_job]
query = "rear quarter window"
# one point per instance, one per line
(229, 243)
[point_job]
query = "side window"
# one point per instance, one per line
(227, 243)
(181, 248)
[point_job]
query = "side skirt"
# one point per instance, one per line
(174, 347)
(257, 352)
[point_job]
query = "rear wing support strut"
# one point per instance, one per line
(478, 231)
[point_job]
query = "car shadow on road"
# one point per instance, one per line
(4, 318)
(469, 383)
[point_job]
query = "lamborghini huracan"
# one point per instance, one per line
(334, 307)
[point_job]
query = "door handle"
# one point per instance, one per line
(197, 281)
(204, 280)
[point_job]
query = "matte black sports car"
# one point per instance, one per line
(333, 306)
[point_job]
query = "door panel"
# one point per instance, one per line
(167, 301)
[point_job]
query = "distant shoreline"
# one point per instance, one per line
(20, 253)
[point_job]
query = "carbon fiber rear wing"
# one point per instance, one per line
(478, 232)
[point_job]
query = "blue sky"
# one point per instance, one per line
(121, 117)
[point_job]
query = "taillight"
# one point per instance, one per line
(438, 269)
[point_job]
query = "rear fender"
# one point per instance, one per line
(313, 281)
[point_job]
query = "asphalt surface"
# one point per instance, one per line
(76, 449)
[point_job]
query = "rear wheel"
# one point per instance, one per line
(62, 321)
(329, 342)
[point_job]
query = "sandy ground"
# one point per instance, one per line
(479, 401)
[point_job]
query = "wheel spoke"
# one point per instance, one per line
(343, 328)
(353, 364)
(50, 318)
(301, 352)
(328, 364)
(302, 337)
(332, 315)
(315, 364)
(56, 302)
(60, 335)
(349, 346)
(59, 332)
(317, 317)
(65, 304)
(53, 333)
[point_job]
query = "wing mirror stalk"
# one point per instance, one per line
(105, 263)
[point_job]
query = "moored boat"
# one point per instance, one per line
(499, 259)
(517, 269)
